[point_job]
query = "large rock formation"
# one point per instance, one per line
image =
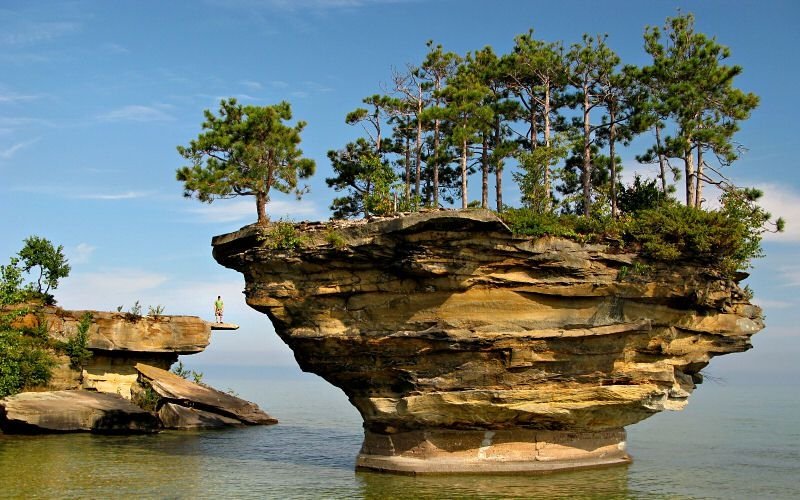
(467, 349)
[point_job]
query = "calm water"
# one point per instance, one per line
(732, 441)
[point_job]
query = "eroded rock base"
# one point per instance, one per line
(447, 451)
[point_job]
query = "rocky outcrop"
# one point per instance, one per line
(74, 411)
(190, 405)
(123, 332)
(118, 341)
(468, 349)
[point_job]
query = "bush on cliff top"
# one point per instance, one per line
(727, 239)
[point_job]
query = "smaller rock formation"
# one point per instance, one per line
(185, 405)
(118, 341)
(74, 411)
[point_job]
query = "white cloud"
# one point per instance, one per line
(9, 152)
(790, 275)
(34, 33)
(245, 210)
(772, 304)
(115, 48)
(105, 290)
(137, 113)
(128, 195)
(295, 5)
(81, 253)
(781, 201)
(252, 85)
(7, 96)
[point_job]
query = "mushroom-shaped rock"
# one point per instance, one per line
(467, 348)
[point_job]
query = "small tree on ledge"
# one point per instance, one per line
(245, 151)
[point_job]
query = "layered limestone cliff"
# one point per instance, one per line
(118, 342)
(467, 349)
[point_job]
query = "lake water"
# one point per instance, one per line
(732, 441)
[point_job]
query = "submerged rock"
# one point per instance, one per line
(468, 349)
(74, 411)
(175, 389)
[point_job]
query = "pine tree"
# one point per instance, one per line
(696, 90)
(589, 65)
(245, 151)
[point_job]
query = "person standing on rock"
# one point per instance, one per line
(219, 307)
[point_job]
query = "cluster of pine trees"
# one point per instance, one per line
(558, 114)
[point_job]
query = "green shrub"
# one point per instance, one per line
(676, 232)
(76, 346)
(185, 373)
(282, 235)
(146, 398)
(528, 222)
(24, 362)
(335, 239)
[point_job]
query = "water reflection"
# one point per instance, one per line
(609, 482)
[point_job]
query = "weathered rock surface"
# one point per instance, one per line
(174, 416)
(112, 331)
(74, 411)
(467, 349)
(118, 341)
(176, 389)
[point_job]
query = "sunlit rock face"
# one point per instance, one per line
(118, 342)
(467, 349)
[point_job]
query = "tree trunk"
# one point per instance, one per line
(661, 161)
(436, 164)
(261, 207)
(587, 160)
(611, 140)
(547, 144)
(464, 201)
(408, 169)
(498, 168)
(418, 150)
(698, 196)
(688, 161)
(532, 119)
(485, 172)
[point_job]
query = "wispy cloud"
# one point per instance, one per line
(8, 153)
(137, 113)
(35, 33)
(772, 304)
(114, 48)
(790, 275)
(295, 5)
(251, 84)
(245, 210)
(108, 288)
(81, 253)
(82, 193)
(9, 96)
(784, 202)
(127, 195)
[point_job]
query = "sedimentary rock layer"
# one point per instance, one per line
(74, 411)
(446, 322)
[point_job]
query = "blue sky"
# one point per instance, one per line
(95, 96)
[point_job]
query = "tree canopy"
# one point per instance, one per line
(245, 151)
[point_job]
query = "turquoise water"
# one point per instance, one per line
(732, 441)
